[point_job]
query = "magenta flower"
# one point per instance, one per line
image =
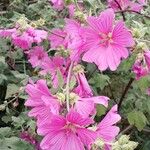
(37, 56)
(127, 5)
(68, 133)
(57, 4)
(124, 4)
(106, 43)
(83, 89)
(139, 70)
(86, 106)
(106, 129)
(7, 32)
(57, 38)
(41, 101)
(30, 139)
(75, 38)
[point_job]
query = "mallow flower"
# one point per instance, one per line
(106, 41)
(106, 129)
(43, 104)
(67, 133)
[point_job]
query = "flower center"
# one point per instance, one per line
(106, 39)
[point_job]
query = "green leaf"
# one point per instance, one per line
(143, 83)
(99, 81)
(14, 143)
(5, 131)
(60, 79)
(138, 119)
(101, 110)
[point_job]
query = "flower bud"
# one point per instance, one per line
(40, 22)
(62, 52)
(2, 107)
(123, 139)
(78, 69)
(61, 97)
(141, 46)
(79, 15)
(136, 32)
(99, 143)
(133, 144)
(73, 98)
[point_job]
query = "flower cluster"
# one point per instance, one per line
(65, 116)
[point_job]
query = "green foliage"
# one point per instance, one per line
(138, 119)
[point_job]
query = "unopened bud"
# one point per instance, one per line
(133, 144)
(78, 69)
(62, 52)
(136, 32)
(141, 46)
(100, 143)
(73, 98)
(79, 15)
(2, 107)
(61, 97)
(123, 139)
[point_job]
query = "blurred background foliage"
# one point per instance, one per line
(15, 72)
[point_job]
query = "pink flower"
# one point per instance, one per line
(37, 35)
(42, 102)
(83, 89)
(30, 139)
(107, 130)
(71, 9)
(57, 4)
(106, 43)
(75, 38)
(147, 59)
(124, 4)
(68, 133)
(7, 32)
(37, 56)
(127, 4)
(57, 38)
(27, 137)
(53, 65)
(86, 106)
(139, 70)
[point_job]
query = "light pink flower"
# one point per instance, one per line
(41, 101)
(106, 43)
(139, 70)
(107, 130)
(37, 56)
(68, 133)
(86, 106)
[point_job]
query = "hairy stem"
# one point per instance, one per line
(68, 85)
(133, 11)
(124, 93)
(122, 12)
